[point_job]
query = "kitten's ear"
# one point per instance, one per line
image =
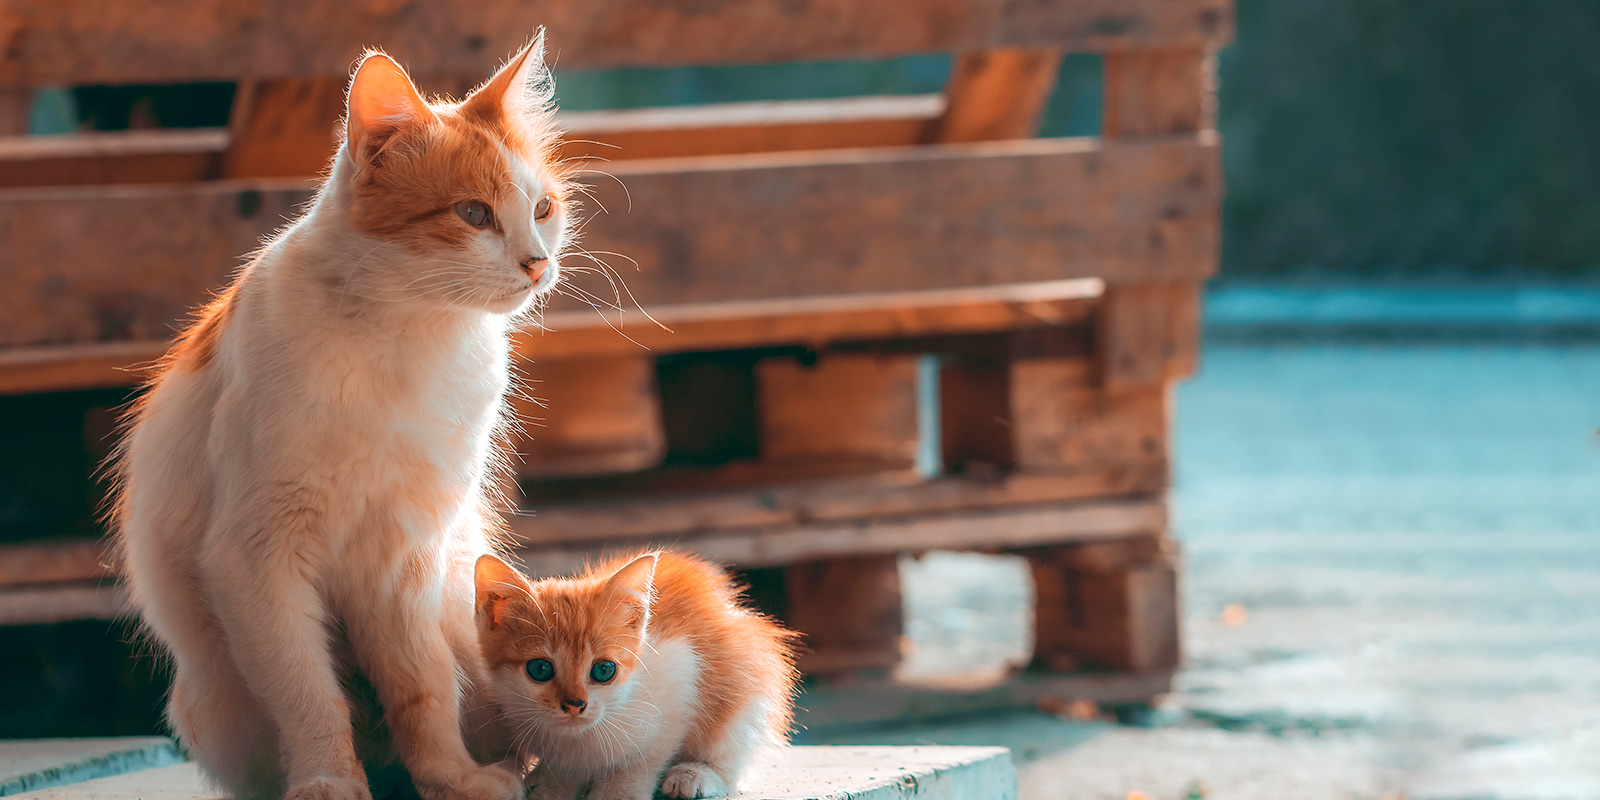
(634, 584)
(519, 88)
(382, 102)
(497, 583)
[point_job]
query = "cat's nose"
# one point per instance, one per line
(573, 707)
(534, 266)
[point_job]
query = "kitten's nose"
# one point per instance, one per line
(534, 266)
(573, 707)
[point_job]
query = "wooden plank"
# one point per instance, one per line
(1058, 423)
(284, 127)
(850, 612)
(42, 563)
(134, 156)
(998, 94)
(1157, 92)
(63, 603)
(812, 322)
(760, 127)
(980, 529)
(16, 110)
(588, 418)
(843, 408)
(170, 41)
(848, 705)
(1148, 335)
(1009, 212)
(1108, 612)
(682, 511)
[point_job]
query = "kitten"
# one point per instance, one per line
(611, 676)
(305, 487)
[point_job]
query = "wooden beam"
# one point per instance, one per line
(590, 417)
(54, 562)
(844, 408)
(682, 511)
(171, 41)
(284, 127)
(1157, 92)
(851, 613)
(764, 127)
(976, 529)
(997, 94)
(134, 156)
(1148, 335)
(1107, 604)
(812, 322)
(16, 111)
(765, 227)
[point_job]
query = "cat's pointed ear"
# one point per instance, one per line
(382, 102)
(519, 88)
(496, 583)
(634, 584)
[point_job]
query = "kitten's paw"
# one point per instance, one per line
(478, 783)
(691, 780)
(329, 789)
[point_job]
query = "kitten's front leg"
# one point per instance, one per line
(545, 783)
(632, 781)
(401, 644)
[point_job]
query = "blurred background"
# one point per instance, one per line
(1384, 470)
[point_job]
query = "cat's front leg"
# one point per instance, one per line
(400, 641)
(277, 634)
(545, 783)
(631, 781)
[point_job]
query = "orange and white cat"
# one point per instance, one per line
(639, 667)
(305, 487)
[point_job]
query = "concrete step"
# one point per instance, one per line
(798, 773)
(33, 764)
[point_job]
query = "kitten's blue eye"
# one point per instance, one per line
(474, 213)
(603, 671)
(541, 670)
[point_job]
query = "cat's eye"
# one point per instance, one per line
(603, 671)
(544, 208)
(475, 213)
(541, 670)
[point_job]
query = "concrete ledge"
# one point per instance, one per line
(799, 773)
(33, 764)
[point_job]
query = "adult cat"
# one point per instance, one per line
(304, 488)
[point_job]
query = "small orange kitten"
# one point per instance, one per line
(611, 676)
(305, 488)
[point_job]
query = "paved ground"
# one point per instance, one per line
(1409, 535)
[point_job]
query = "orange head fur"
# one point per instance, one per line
(621, 611)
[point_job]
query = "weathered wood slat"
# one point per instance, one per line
(989, 529)
(843, 408)
(811, 322)
(588, 417)
(119, 263)
(169, 41)
(284, 128)
(135, 156)
(1156, 92)
(869, 495)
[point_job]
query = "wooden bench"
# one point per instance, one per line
(900, 324)
(140, 769)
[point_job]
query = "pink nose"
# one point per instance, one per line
(534, 266)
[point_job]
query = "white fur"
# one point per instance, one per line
(311, 497)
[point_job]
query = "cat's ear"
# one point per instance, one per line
(634, 584)
(496, 583)
(519, 88)
(381, 103)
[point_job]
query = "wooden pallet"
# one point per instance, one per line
(987, 372)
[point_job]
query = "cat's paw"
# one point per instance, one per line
(329, 789)
(478, 783)
(691, 780)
